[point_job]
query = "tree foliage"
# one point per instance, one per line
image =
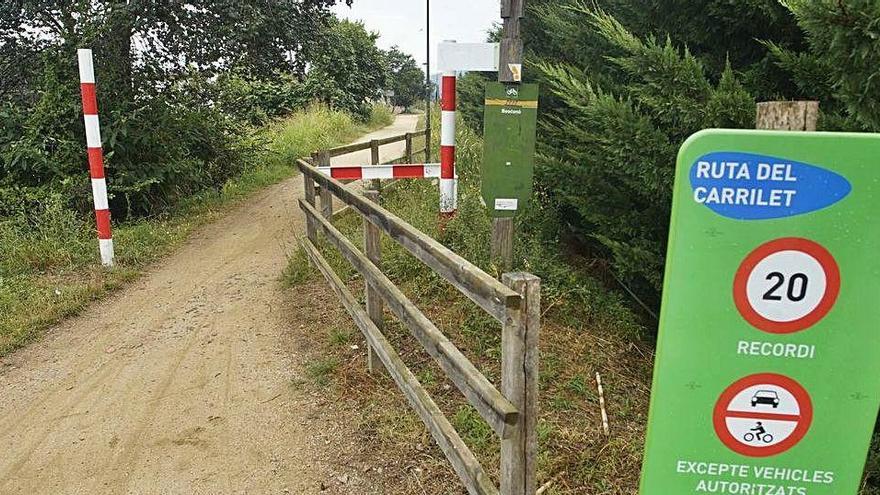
(613, 128)
(626, 82)
(352, 68)
(179, 85)
(404, 78)
(842, 65)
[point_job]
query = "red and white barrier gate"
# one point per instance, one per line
(96, 154)
(396, 171)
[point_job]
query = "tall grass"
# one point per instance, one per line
(49, 267)
(586, 328)
(319, 128)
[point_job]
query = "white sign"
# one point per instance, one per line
(476, 57)
(503, 204)
(786, 286)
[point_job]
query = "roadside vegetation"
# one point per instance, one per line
(587, 328)
(623, 86)
(625, 82)
(181, 140)
(50, 270)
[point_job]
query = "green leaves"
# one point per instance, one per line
(611, 139)
(351, 68)
(844, 39)
(404, 78)
(179, 85)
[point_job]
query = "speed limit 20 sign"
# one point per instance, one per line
(786, 285)
(767, 374)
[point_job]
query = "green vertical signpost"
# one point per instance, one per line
(767, 375)
(511, 116)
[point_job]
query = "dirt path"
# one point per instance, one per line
(179, 383)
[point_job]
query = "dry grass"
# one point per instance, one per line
(585, 330)
(574, 452)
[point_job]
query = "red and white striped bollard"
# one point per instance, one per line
(448, 181)
(96, 154)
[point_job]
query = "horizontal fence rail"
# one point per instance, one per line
(366, 145)
(492, 406)
(491, 295)
(511, 412)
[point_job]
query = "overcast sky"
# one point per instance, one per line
(402, 22)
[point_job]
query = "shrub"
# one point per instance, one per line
(608, 159)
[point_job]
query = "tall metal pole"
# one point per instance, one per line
(509, 72)
(429, 100)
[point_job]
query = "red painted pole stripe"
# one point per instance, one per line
(762, 415)
(103, 218)
(448, 94)
(447, 162)
(96, 163)
(409, 172)
(346, 173)
(89, 99)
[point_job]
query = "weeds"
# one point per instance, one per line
(586, 328)
(49, 266)
(321, 371)
(340, 337)
(298, 271)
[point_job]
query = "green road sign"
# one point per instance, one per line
(767, 375)
(509, 147)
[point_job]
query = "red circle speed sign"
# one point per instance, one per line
(763, 415)
(786, 285)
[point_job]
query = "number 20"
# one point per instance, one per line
(797, 287)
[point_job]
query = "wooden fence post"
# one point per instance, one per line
(309, 193)
(409, 148)
(519, 383)
(322, 159)
(373, 251)
(375, 160)
(788, 115)
(502, 242)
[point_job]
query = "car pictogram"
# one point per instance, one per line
(768, 397)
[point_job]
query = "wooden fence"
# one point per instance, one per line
(322, 158)
(512, 411)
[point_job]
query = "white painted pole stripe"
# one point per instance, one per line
(99, 191)
(95, 154)
(107, 254)
(447, 128)
(447, 195)
(93, 131)
(373, 173)
(86, 66)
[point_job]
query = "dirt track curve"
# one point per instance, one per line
(178, 383)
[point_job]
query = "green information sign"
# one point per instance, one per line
(767, 375)
(509, 147)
